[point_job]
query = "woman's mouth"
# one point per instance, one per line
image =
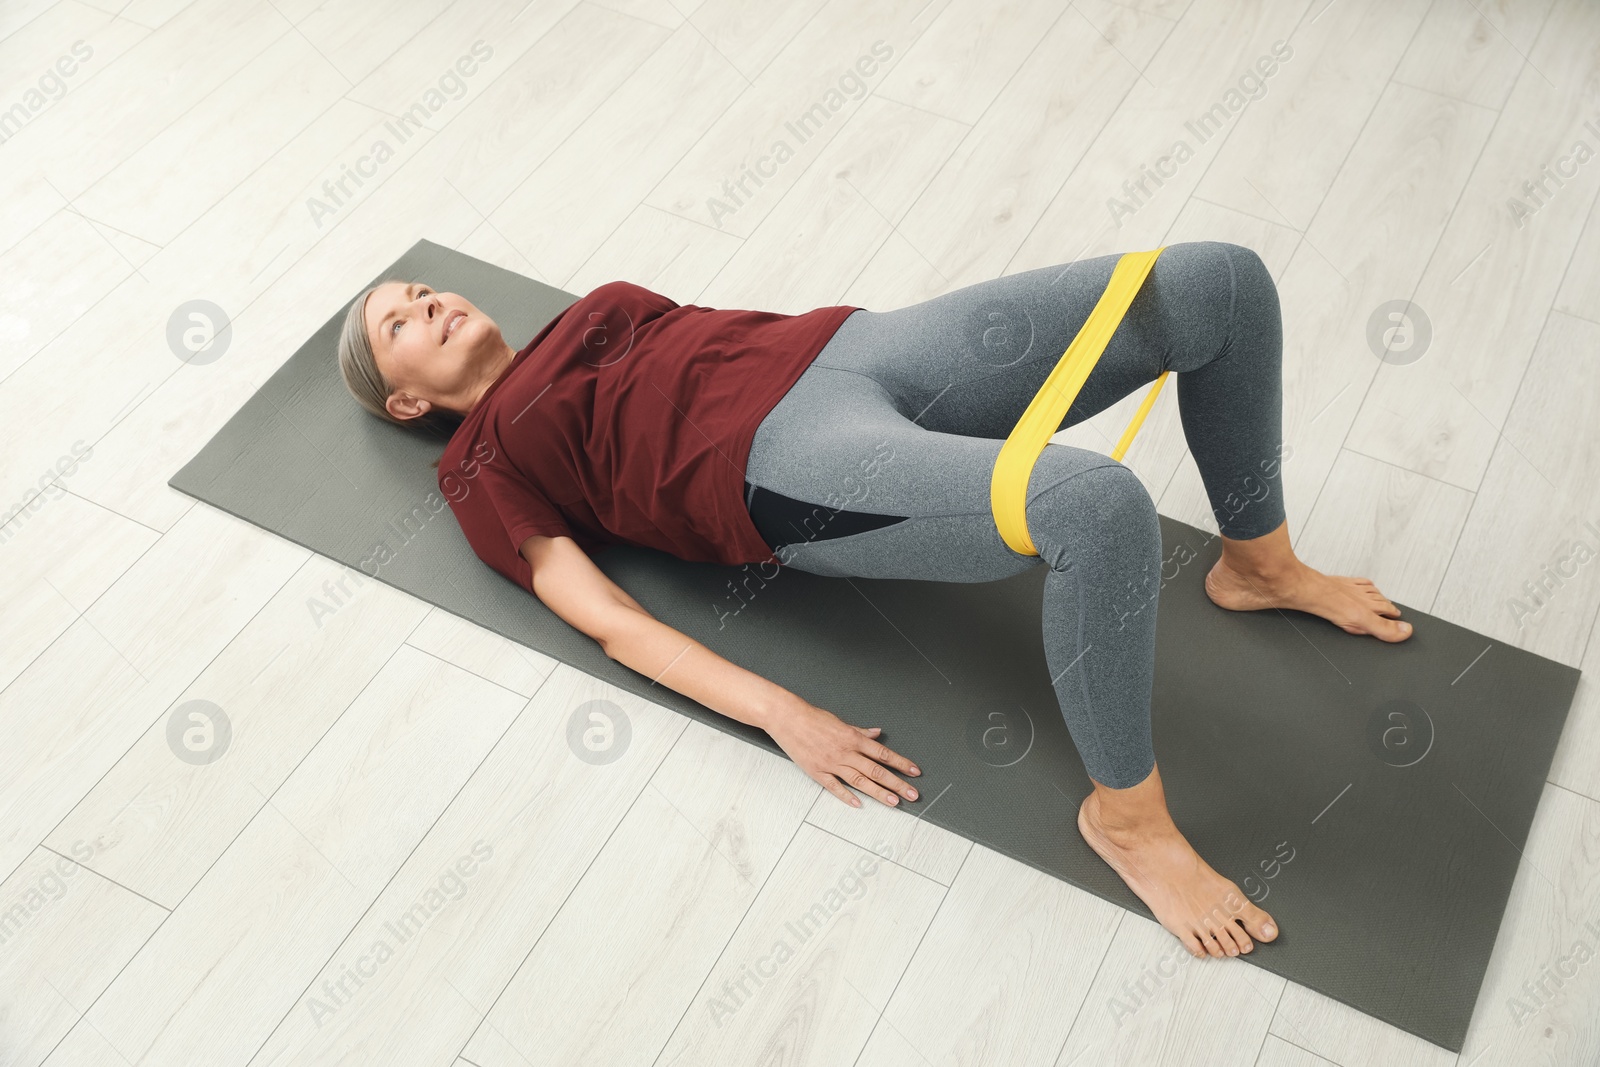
(454, 319)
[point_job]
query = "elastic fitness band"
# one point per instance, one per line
(1008, 488)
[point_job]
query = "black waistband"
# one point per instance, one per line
(783, 520)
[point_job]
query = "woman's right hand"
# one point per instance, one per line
(837, 755)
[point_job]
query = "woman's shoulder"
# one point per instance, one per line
(621, 291)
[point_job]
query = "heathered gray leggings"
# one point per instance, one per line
(903, 413)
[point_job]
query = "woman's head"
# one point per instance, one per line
(419, 358)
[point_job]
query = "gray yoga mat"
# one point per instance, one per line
(1375, 798)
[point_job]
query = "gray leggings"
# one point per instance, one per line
(903, 413)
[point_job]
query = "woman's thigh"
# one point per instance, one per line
(969, 361)
(837, 439)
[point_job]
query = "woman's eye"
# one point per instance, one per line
(420, 290)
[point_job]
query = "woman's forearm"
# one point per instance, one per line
(667, 657)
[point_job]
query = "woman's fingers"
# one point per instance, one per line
(875, 780)
(882, 757)
(887, 756)
(833, 785)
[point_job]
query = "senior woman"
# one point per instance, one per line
(849, 442)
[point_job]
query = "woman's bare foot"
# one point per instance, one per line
(1265, 573)
(1131, 830)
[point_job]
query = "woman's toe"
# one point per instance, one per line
(1391, 629)
(1259, 923)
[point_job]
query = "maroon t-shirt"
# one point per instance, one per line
(627, 419)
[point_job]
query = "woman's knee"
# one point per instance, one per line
(1214, 293)
(1102, 512)
(1255, 294)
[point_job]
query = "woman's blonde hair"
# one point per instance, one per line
(366, 382)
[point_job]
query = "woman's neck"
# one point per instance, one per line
(491, 374)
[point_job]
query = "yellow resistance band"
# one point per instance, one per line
(1008, 488)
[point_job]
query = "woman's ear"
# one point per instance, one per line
(402, 405)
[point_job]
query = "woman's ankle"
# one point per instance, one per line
(1136, 812)
(1268, 557)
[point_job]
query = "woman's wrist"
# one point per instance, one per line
(777, 707)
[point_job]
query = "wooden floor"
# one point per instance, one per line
(397, 859)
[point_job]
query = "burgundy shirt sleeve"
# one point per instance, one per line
(498, 509)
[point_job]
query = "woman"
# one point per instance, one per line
(738, 437)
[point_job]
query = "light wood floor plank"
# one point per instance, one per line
(662, 12)
(20, 15)
(1580, 288)
(560, 212)
(663, 252)
(163, 75)
(537, 100)
(472, 45)
(1518, 573)
(815, 961)
(1575, 766)
(123, 662)
(152, 14)
(65, 932)
(1490, 283)
(1137, 34)
(60, 550)
(1108, 202)
(49, 50)
(769, 130)
(523, 830)
(834, 219)
(483, 652)
(996, 184)
(1172, 9)
(931, 851)
(159, 189)
(1474, 50)
(1369, 243)
(157, 821)
(621, 963)
(1025, 945)
(898, 275)
(244, 945)
(970, 51)
(1000, 181)
(1152, 1002)
(264, 227)
(752, 34)
(63, 268)
(1276, 1052)
(1289, 144)
(47, 47)
(355, 42)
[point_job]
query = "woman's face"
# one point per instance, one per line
(437, 349)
